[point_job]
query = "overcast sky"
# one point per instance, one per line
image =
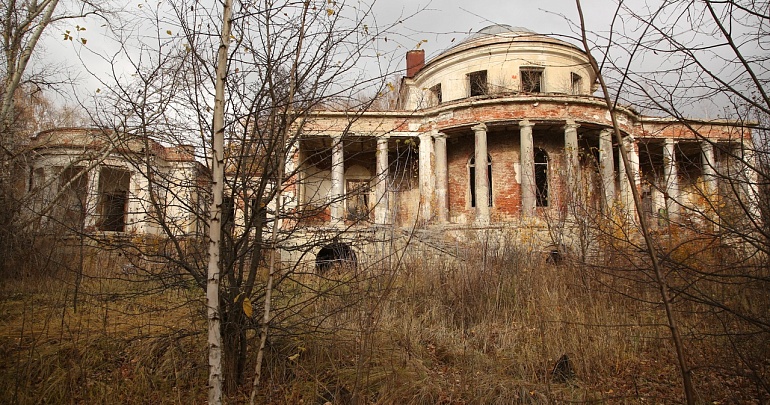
(441, 23)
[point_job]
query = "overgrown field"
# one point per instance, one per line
(483, 329)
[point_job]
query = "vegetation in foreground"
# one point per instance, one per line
(483, 330)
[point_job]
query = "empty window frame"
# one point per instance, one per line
(436, 92)
(113, 199)
(531, 79)
(478, 83)
(73, 186)
(358, 199)
(472, 180)
(577, 83)
(228, 212)
(541, 177)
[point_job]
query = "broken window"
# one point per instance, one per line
(436, 92)
(541, 177)
(113, 199)
(478, 83)
(228, 212)
(577, 83)
(358, 199)
(472, 180)
(73, 184)
(531, 79)
(257, 213)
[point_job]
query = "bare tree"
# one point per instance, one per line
(285, 61)
(708, 58)
(22, 104)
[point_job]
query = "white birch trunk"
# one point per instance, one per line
(215, 216)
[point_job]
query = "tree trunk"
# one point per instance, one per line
(215, 218)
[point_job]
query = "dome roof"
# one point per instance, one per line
(498, 30)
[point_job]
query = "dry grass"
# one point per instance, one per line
(426, 332)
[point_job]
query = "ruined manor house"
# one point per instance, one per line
(501, 133)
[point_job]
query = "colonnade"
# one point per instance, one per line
(433, 173)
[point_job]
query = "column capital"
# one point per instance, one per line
(606, 131)
(526, 123)
(425, 137)
(439, 135)
(479, 127)
(569, 124)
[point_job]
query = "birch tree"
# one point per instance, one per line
(705, 60)
(284, 61)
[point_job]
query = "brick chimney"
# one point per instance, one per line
(415, 60)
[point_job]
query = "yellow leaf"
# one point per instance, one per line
(168, 32)
(294, 357)
(83, 40)
(247, 308)
(329, 12)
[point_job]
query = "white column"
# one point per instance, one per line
(607, 166)
(338, 179)
(92, 198)
(442, 178)
(425, 172)
(527, 158)
(708, 170)
(381, 188)
(626, 195)
(482, 174)
(749, 178)
(138, 206)
(571, 158)
(670, 175)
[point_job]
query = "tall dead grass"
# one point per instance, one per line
(486, 328)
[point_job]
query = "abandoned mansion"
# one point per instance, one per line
(501, 131)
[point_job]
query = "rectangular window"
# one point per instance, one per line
(228, 212)
(531, 79)
(577, 83)
(436, 92)
(478, 83)
(73, 186)
(113, 199)
(358, 199)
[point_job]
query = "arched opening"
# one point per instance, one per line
(472, 179)
(335, 255)
(541, 177)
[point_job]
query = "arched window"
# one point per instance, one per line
(541, 177)
(336, 254)
(472, 178)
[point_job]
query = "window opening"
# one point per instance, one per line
(577, 83)
(531, 80)
(335, 255)
(73, 198)
(436, 91)
(472, 178)
(358, 199)
(228, 211)
(541, 177)
(113, 199)
(478, 83)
